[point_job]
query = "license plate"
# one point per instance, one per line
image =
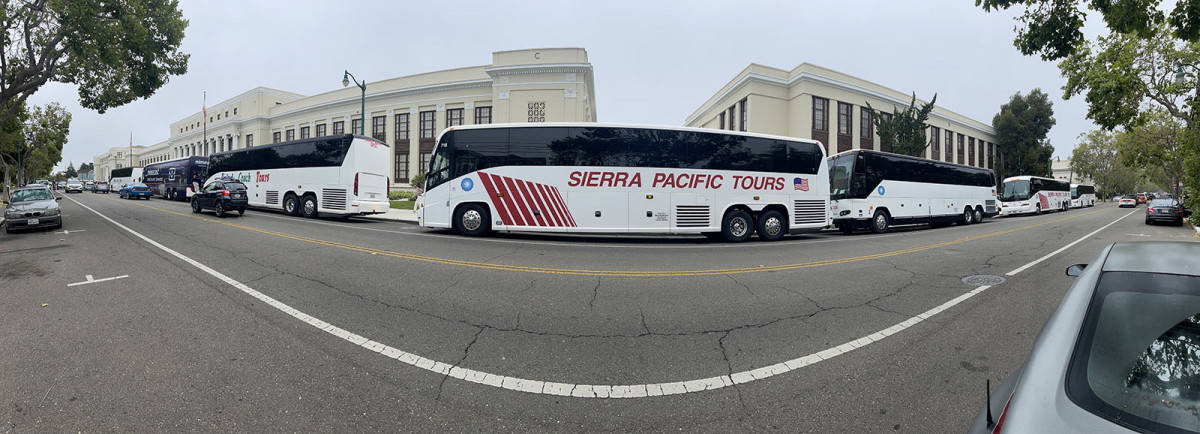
(237, 195)
(32, 221)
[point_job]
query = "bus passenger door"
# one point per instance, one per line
(649, 210)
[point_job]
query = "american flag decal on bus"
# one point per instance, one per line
(523, 203)
(801, 184)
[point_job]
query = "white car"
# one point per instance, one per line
(74, 186)
(1127, 201)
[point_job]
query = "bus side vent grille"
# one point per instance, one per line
(989, 206)
(809, 211)
(691, 216)
(273, 198)
(333, 198)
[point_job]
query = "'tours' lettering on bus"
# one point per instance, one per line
(673, 180)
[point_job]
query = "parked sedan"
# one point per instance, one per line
(1127, 201)
(1165, 210)
(1121, 353)
(101, 187)
(74, 186)
(221, 196)
(135, 190)
(30, 208)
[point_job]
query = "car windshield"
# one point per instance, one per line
(1015, 190)
(30, 195)
(1137, 359)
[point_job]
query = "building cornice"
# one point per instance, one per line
(407, 91)
(538, 68)
(937, 113)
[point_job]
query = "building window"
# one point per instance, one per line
(991, 151)
(402, 131)
(320, 130)
(339, 128)
(304, 132)
(844, 111)
(249, 140)
(427, 125)
(866, 128)
(742, 115)
(949, 146)
(356, 125)
(483, 115)
(291, 134)
(401, 172)
(885, 144)
(820, 114)
(537, 111)
(275, 137)
(732, 124)
(980, 162)
(425, 156)
(935, 143)
(971, 151)
(226, 113)
(379, 128)
(722, 123)
(235, 110)
(454, 117)
(962, 143)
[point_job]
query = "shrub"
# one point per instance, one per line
(400, 195)
(418, 182)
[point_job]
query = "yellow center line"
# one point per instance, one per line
(619, 273)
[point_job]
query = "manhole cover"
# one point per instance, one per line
(983, 279)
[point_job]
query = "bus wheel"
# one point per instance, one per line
(309, 207)
(772, 226)
(880, 222)
(291, 205)
(737, 226)
(472, 220)
(978, 215)
(968, 217)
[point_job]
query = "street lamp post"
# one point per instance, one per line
(1180, 78)
(346, 78)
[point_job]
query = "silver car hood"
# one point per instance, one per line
(39, 205)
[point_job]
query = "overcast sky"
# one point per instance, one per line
(655, 62)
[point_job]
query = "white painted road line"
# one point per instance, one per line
(68, 232)
(91, 280)
(1061, 249)
(583, 390)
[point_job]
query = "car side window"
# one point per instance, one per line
(213, 187)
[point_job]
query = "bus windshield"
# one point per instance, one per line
(1074, 192)
(840, 169)
(1015, 190)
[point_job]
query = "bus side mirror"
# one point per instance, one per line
(1076, 270)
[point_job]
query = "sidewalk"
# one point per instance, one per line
(400, 215)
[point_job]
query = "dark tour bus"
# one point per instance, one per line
(174, 179)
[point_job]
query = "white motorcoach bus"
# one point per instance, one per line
(1033, 195)
(1082, 195)
(117, 178)
(598, 178)
(874, 189)
(340, 175)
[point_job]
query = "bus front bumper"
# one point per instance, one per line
(1018, 208)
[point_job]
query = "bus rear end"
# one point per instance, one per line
(365, 170)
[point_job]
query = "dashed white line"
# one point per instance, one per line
(587, 390)
(1061, 249)
(92, 280)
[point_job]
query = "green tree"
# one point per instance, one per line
(1053, 29)
(905, 129)
(12, 138)
(1096, 158)
(70, 172)
(1156, 146)
(1021, 128)
(115, 51)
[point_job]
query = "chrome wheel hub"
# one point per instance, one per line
(471, 220)
(738, 227)
(880, 221)
(773, 226)
(309, 207)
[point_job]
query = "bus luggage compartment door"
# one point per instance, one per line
(650, 210)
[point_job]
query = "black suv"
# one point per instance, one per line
(221, 196)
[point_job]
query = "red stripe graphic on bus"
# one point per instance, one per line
(516, 199)
(1045, 202)
(506, 198)
(486, 180)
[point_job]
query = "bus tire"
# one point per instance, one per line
(308, 206)
(291, 205)
(968, 217)
(881, 221)
(978, 214)
(772, 225)
(472, 220)
(1038, 209)
(737, 226)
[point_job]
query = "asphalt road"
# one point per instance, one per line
(266, 322)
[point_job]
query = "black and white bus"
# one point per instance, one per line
(117, 178)
(174, 179)
(1033, 195)
(333, 175)
(1082, 195)
(876, 190)
(601, 178)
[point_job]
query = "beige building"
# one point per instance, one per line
(818, 103)
(533, 85)
(1061, 170)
